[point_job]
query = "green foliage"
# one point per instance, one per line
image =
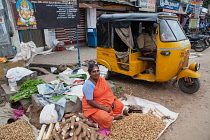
(206, 3)
(28, 88)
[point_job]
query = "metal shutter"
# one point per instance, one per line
(68, 35)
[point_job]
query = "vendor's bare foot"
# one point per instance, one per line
(118, 117)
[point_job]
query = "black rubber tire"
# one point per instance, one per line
(201, 47)
(207, 46)
(190, 89)
(108, 75)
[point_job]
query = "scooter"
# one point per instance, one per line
(197, 43)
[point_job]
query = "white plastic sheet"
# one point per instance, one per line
(18, 73)
(76, 90)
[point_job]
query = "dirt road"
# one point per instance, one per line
(193, 122)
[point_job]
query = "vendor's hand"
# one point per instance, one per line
(106, 109)
(113, 105)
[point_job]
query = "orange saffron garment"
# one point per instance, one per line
(104, 96)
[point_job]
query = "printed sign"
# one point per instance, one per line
(197, 2)
(169, 4)
(147, 5)
(57, 15)
(190, 8)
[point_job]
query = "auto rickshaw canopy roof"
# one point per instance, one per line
(134, 17)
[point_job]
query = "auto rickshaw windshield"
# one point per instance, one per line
(171, 31)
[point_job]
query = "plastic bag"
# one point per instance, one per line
(48, 114)
(18, 73)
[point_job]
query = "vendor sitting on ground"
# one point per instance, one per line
(147, 42)
(98, 102)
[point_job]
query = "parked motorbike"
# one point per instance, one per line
(206, 32)
(206, 39)
(197, 43)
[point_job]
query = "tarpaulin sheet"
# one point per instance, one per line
(148, 105)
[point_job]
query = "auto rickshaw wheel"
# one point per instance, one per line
(108, 75)
(189, 85)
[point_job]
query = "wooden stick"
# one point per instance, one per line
(49, 131)
(44, 135)
(42, 131)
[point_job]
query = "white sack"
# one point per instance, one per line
(48, 114)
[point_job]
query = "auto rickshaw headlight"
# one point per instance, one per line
(194, 66)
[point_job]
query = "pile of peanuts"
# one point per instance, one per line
(19, 130)
(137, 126)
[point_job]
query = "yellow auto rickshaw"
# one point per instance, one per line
(118, 50)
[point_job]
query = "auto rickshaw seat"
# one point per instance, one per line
(146, 59)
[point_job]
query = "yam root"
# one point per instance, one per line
(68, 120)
(79, 136)
(71, 132)
(96, 129)
(66, 128)
(92, 124)
(82, 116)
(106, 138)
(92, 134)
(55, 135)
(100, 137)
(66, 135)
(78, 130)
(88, 133)
(86, 138)
(77, 119)
(69, 115)
(74, 137)
(59, 130)
(84, 130)
(73, 118)
(63, 120)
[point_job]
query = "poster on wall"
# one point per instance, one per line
(23, 14)
(42, 14)
(4, 38)
(147, 5)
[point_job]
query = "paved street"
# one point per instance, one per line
(66, 57)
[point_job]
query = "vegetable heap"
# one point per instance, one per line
(28, 88)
